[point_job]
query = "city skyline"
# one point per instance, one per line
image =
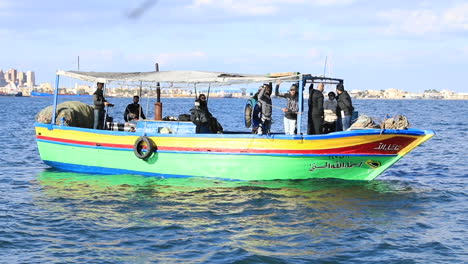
(17, 78)
(373, 45)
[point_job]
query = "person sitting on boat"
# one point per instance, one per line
(329, 106)
(202, 118)
(345, 105)
(290, 112)
(265, 104)
(99, 103)
(315, 114)
(133, 111)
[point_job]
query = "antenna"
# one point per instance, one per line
(78, 63)
(325, 66)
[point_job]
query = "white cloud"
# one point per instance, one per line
(99, 55)
(167, 58)
(457, 17)
(332, 2)
(259, 7)
(426, 21)
(5, 3)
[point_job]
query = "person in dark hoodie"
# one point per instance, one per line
(265, 104)
(315, 114)
(200, 115)
(99, 103)
(345, 106)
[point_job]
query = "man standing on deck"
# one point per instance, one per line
(344, 105)
(315, 114)
(265, 104)
(99, 103)
(292, 107)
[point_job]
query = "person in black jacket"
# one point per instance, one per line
(99, 103)
(133, 111)
(344, 105)
(315, 114)
(200, 115)
(264, 98)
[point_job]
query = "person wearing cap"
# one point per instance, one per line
(291, 109)
(99, 103)
(266, 108)
(344, 105)
(315, 114)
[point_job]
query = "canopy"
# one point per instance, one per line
(181, 77)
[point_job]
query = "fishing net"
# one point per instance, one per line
(397, 122)
(364, 121)
(70, 113)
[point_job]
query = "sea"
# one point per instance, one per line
(415, 212)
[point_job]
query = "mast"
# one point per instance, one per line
(158, 104)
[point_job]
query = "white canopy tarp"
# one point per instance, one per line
(180, 77)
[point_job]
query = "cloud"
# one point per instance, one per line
(259, 7)
(457, 17)
(167, 58)
(421, 22)
(5, 3)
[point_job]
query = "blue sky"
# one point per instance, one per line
(410, 45)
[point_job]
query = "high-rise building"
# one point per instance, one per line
(2, 79)
(12, 75)
(21, 78)
(30, 79)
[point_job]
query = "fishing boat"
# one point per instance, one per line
(174, 149)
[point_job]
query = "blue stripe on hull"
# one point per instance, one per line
(106, 171)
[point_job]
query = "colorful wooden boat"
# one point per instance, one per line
(351, 155)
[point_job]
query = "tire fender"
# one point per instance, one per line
(138, 147)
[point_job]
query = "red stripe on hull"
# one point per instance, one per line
(86, 143)
(384, 147)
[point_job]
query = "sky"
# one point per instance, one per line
(412, 45)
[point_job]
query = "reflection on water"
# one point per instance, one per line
(246, 215)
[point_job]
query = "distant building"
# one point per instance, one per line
(2, 79)
(21, 80)
(11, 76)
(30, 79)
(393, 93)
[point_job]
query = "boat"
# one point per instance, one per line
(174, 149)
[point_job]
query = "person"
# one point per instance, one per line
(266, 109)
(290, 112)
(345, 106)
(133, 111)
(315, 114)
(99, 103)
(329, 120)
(202, 118)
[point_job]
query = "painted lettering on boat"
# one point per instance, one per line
(336, 165)
(388, 147)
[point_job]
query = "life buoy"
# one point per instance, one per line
(143, 147)
(252, 113)
(248, 114)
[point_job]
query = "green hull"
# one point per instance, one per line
(224, 166)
